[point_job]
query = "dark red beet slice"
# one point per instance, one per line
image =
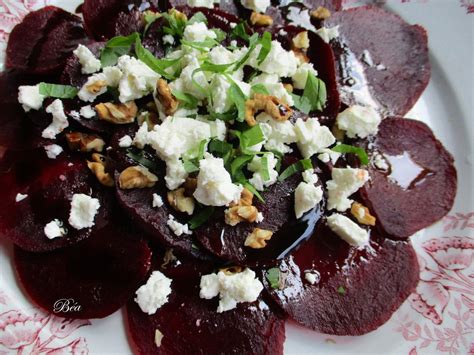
(356, 291)
(421, 185)
(191, 325)
(42, 41)
(49, 185)
(99, 274)
(401, 48)
(227, 242)
(101, 16)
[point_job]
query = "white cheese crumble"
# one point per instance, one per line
(348, 230)
(154, 293)
(214, 184)
(198, 32)
(231, 288)
(158, 338)
(30, 97)
(157, 201)
(278, 61)
(312, 137)
(380, 162)
(359, 121)
(125, 142)
(307, 196)
(177, 228)
(345, 182)
(109, 77)
(201, 3)
(257, 167)
(311, 277)
(83, 211)
(260, 217)
(168, 39)
(54, 229)
(301, 75)
(309, 176)
(59, 122)
(328, 33)
(53, 150)
(20, 197)
(138, 79)
(328, 155)
(188, 78)
(90, 64)
(87, 112)
(277, 134)
(256, 5)
(175, 174)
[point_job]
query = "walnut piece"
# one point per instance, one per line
(136, 177)
(246, 198)
(301, 40)
(96, 86)
(98, 167)
(235, 215)
(300, 55)
(180, 202)
(288, 87)
(270, 104)
(321, 13)
(260, 19)
(258, 238)
(150, 117)
(165, 97)
(362, 214)
(84, 142)
(117, 113)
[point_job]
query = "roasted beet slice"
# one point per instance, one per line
(42, 41)
(249, 329)
(99, 275)
(355, 290)
(227, 242)
(101, 17)
(392, 54)
(419, 185)
(49, 185)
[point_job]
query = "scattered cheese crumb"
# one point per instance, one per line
(311, 277)
(328, 33)
(30, 97)
(83, 211)
(90, 64)
(157, 201)
(348, 230)
(345, 182)
(59, 122)
(154, 293)
(158, 338)
(87, 112)
(53, 150)
(307, 196)
(177, 228)
(359, 121)
(125, 142)
(20, 197)
(54, 229)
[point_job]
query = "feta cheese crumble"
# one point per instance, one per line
(157, 201)
(328, 33)
(380, 162)
(309, 176)
(312, 137)
(154, 293)
(256, 5)
(54, 229)
(311, 277)
(20, 197)
(214, 184)
(359, 121)
(201, 3)
(125, 142)
(59, 122)
(90, 64)
(348, 230)
(345, 182)
(198, 32)
(87, 112)
(83, 211)
(301, 75)
(177, 228)
(231, 288)
(256, 166)
(176, 174)
(138, 79)
(168, 39)
(307, 196)
(278, 61)
(30, 97)
(53, 150)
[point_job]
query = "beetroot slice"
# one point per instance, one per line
(49, 185)
(43, 40)
(191, 325)
(427, 178)
(401, 48)
(356, 291)
(99, 274)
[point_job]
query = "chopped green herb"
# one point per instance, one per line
(188, 100)
(220, 35)
(116, 47)
(253, 190)
(273, 277)
(253, 41)
(361, 153)
(157, 65)
(238, 98)
(341, 290)
(260, 89)
(266, 43)
(240, 31)
(249, 138)
(197, 17)
(221, 149)
(57, 91)
(216, 68)
(176, 24)
(150, 17)
(302, 103)
(237, 165)
(315, 92)
(201, 217)
(201, 46)
(265, 170)
(302, 165)
(189, 166)
(139, 157)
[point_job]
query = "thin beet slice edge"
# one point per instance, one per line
(251, 328)
(50, 185)
(401, 48)
(356, 290)
(41, 43)
(420, 186)
(99, 274)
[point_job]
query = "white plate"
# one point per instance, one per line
(447, 285)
